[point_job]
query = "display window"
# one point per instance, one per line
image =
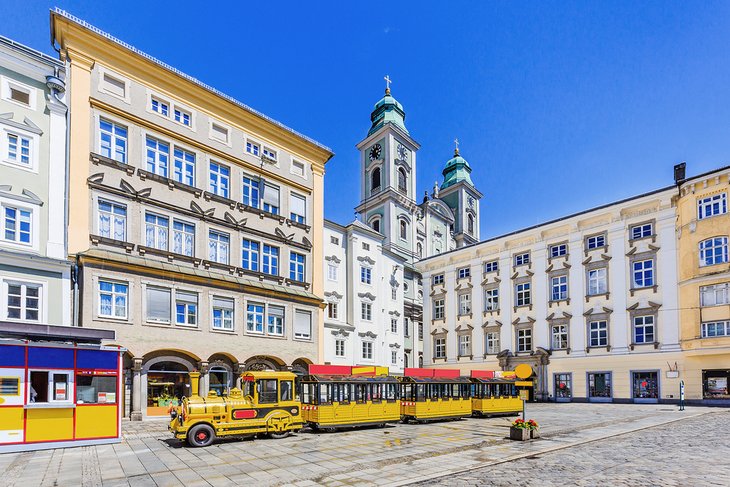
(645, 385)
(96, 388)
(167, 384)
(599, 386)
(715, 384)
(563, 387)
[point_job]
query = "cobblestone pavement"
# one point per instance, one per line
(693, 452)
(395, 455)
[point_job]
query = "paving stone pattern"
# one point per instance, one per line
(395, 455)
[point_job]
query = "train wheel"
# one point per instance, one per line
(201, 435)
(280, 435)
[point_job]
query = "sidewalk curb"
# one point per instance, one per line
(540, 452)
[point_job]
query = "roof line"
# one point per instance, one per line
(86, 25)
(30, 51)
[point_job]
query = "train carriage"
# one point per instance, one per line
(338, 401)
(434, 394)
(494, 396)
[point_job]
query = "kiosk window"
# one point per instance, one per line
(96, 389)
(286, 390)
(50, 386)
(267, 390)
(9, 386)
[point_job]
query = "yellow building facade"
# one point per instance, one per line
(703, 227)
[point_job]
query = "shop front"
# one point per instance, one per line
(600, 387)
(167, 383)
(715, 385)
(645, 386)
(57, 394)
(563, 387)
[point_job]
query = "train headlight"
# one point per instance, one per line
(173, 414)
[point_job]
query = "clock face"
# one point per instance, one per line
(402, 152)
(375, 152)
(470, 201)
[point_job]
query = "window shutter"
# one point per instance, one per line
(276, 311)
(303, 324)
(158, 304)
(271, 195)
(186, 297)
(223, 303)
(298, 205)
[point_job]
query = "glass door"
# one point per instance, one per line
(563, 387)
(599, 387)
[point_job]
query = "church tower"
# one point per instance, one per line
(388, 177)
(458, 191)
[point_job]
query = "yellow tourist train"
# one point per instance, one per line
(335, 397)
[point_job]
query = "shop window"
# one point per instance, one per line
(599, 385)
(715, 384)
(646, 385)
(50, 386)
(167, 384)
(96, 389)
(563, 386)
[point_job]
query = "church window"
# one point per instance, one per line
(402, 180)
(403, 230)
(375, 180)
(375, 224)
(419, 250)
(470, 224)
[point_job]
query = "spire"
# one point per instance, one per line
(387, 84)
(387, 110)
(456, 169)
(456, 147)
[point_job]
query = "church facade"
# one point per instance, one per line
(373, 291)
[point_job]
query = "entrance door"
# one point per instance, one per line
(645, 386)
(563, 387)
(599, 387)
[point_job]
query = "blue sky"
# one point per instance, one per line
(558, 106)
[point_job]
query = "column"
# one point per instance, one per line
(204, 384)
(136, 414)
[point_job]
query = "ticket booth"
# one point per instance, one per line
(56, 394)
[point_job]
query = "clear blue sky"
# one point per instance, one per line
(559, 107)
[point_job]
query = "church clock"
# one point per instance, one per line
(375, 152)
(402, 152)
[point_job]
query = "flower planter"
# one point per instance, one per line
(534, 433)
(519, 434)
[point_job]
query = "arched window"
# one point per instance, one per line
(420, 361)
(375, 224)
(375, 180)
(419, 250)
(713, 251)
(405, 360)
(470, 224)
(403, 230)
(402, 180)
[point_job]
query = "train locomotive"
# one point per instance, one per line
(334, 397)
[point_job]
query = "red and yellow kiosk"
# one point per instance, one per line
(56, 395)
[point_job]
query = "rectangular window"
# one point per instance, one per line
(598, 333)
(186, 308)
(393, 357)
(366, 311)
(50, 386)
(112, 220)
(464, 345)
(158, 304)
(365, 275)
(464, 272)
(712, 206)
(183, 117)
(96, 389)
(297, 208)
(24, 301)
(218, 246)
(251, 191)
(252, 148)
(713, 251)
(339, 348)
(393, 325)
(156, 231)
(255, 318)
(491, 266)
(597, 282)
(367, 350)
(365, 246)
(114, 86)
(332, 310)
(524, 340)
(296, 267)
(641, 231)
(21, 96)
(19, 149)
(644, 329)
(465, 304)
(716, 329)
(491, 299)
(275, 323)
(270, 154)
(559, 337)
(161, 107)
(219, 132)
(492, 345)
(334, 240)
(420, 331)
(297, 168)
(183, 238)
(158, 157)
(595, 242)
(113, 297)
(271, 198)
(522, 294)
(302, 324)
(223, 314)
(439, 348)
(522, 259)
(250, 255)
(558, 250)
(643, 272)
(331, 272)
(9, 386)
(559, 288)
(270, 260)
(394, 293)
(113, 141)
(715, 294)
(438, 309)
(438, 279)
(219, 179)
(17, 224)
(183, 166)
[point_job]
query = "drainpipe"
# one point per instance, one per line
(75, 279)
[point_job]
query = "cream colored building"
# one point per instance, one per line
(195, 221)
(703, 228)
(588, 300)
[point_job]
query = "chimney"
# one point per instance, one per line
(679, 173)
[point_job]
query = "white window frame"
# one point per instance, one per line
(183, 110)
(719, 293)
(592, 241)
(223, 318)
(439, 347)
(438, 279)
(270, 259)
(161, 101)
(644, 321)
(184, 232)
(113, 293)
(185, 164)
(523, 294)
(270, 207)
(252, 324)
(102, 86)
(18, 206)
(114, 139)
(559, 288)
(270, 154)
(296, 216)
(524, 339)
(33, 149)
(333, 310)
(464, 345)
(600, 275)
(522, 259)
(463, 272)
(558, 250)
(99, 212)
(559, 336)
(640, 231)
(219, 189)
(439, 309)
(272, 322)
(600, 325)
(366, 275)
(366, 350)
(303, 173)
(251, 184)
(300, 268)
(157, 166)
(464, 303)
(24, 284)
(70, 379)
(254, 264)
(491, 299)
(339, 347)
(331, 271)
(720, 242)
(366, 311)
(32, 92)
(492, 339)
(722, 326)
(394, 325)
(253, 148)
(712, 205)
(156, 243)
(301, 336)
(190, 308)
(219, 246)
(642, 273)
(491, 266)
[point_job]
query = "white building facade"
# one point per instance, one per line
(589, 301)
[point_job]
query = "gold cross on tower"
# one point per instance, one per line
(456, 149)
(387, 84)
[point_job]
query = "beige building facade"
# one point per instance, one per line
(195, 222)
